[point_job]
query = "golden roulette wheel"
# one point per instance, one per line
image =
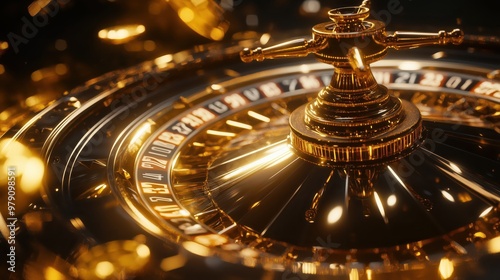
(317, 145)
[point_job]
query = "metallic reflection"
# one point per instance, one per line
(380, 207)
(249, 256)
(395, 176)
(114, 259)
(21, 166)
(53, 274)
(77, 223)
(311, 6)
(493, 245)
(409, 65)
(104, 269)
(479, 235)
(205, 17)
(96, 192)
(335, 214)
(472, 185)
(50, 73)
(4, 45)
(33, 174)
(197, 248)
(464, 197)
(361, 181)
(308, 268)
(163, 61)
(144, 129)
(258, 116)
(439, 55)
(217, 89)
(139, 46)
(252, 20)
(446, 268)
(61, 45)
(458, 248)
(144, 221)
(279, 152)
(354, 274)
(447, 195)
(121, 33)
(211, 240)
(172, 263)
(486, 211)
(391, 200)
(455, 168)
(186, 14)
(264, 39)
(36, 6)
(220, 133)
(35, 220)
(329, 204)
(239, 124)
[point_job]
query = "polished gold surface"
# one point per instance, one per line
(353, 120)
(205, 17)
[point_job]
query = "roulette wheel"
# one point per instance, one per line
(355, 156)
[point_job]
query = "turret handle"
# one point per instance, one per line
(408, 40)
(294, 48)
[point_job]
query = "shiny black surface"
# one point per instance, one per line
(426, 188)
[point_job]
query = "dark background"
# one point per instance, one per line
(85, 56)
